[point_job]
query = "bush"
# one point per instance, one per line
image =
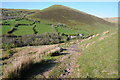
(7, 46)
(32, 40)
(10, 52)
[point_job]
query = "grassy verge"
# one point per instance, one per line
(99, 58)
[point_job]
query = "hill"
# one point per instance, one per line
(15, 13)
(59, 18)
(71, 18)
(112, 20)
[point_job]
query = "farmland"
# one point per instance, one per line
(24, 30)
(42, 28)
(26, 27)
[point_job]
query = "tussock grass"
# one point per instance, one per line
(24, 62)
(14, 69)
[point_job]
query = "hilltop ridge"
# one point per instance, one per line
(64, 14)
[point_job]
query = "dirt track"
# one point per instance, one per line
(67, 61)
(74, 53)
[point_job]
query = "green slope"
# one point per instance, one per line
(71, 18)
(99, 57)
(74, 21)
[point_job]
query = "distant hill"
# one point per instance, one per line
(71, 18)
(15, 13)
(112, 20)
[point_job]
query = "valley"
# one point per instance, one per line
(57, 42)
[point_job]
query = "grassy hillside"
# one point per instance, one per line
(90, 58)
(99, 57)
(72, 21)
(95, 57)
(15, 13)
(63, 14)
(71, 18)
(112, 20)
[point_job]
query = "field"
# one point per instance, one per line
(24, 21)
(12, 22)
(67, 31)
(5, 29)
(42, 28)
(26, 28)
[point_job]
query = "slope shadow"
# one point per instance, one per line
(58, 54)
(38, 68)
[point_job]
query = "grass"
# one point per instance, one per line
(5, 29)
(71, 17)
(67, 30)
(21, 30)
(42, 28)
(99, 59)
(84, 29)
(78, 21)
(24, 21)
(24, 61)
(97, 28)
(11, 22)
(24, 30)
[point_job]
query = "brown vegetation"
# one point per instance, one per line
(66, 15)
(23, 61)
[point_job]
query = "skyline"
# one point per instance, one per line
(100, 9)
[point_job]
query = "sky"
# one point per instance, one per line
(100, 9)
(59, 0)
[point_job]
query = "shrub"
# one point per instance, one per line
(10, 52)
(32, 40)
(7, 46)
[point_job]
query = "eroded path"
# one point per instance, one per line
(74, 53)
(62, 67)
(67, 63)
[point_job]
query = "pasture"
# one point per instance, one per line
(24, 30)
(67, 30)
(42, 28)
(25, 27)
(5, 29)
